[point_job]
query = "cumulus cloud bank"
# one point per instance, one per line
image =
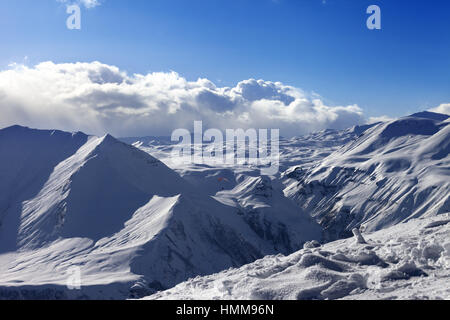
(98, 98)
(443, 108)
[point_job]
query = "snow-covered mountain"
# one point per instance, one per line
(375, 175)
(131, 224)
(262, 205)
(392, 177)
(393, 172)
(134, 222)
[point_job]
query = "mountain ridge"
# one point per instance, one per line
(118, 214)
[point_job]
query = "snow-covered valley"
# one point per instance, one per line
(136, 223)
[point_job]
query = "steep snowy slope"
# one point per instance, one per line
(431, 115)
(262, 204)
(25, 166)
(89, 194)
(393, 172)
(131, 224)
(407, 261)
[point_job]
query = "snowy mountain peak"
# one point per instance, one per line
(409, 126)
(431, 115)
(17, 130)
(109, 139)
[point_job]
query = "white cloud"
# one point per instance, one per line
(86, 3)
(443, 108)
(90, 3)
(98, 98)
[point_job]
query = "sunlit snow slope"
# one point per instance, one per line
(130, 223)
(407, 261)
(393, 172)
(136, 222)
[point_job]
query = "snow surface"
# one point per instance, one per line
(408, 261)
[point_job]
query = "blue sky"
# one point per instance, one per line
(319, 46)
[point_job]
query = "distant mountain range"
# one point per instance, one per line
(124, 218)
(135, 223)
